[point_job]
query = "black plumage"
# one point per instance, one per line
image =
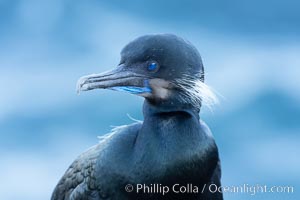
(171, 146)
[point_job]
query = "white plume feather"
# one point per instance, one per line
(196, 91)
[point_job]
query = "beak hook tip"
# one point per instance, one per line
(80, 83)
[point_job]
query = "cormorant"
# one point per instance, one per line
(172, 149)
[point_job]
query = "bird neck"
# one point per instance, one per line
(153, 109)
(169, 123)
(178, 136)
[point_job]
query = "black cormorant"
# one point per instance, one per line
(171, 154)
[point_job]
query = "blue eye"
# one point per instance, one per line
(152, 66)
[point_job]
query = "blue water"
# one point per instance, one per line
(250, 53)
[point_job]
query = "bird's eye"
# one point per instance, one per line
(152, 66)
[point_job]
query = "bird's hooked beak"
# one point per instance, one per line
(118, 79)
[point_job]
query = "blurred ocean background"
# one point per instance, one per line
(251, 54)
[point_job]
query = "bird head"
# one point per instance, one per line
(163, 68)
